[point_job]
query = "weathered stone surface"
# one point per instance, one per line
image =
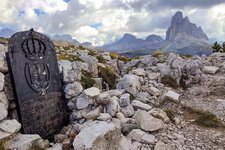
(92, 92)
(22, 141)
(154, 91)
(131, 83)
(57, 146)
(147, 122)
(103, 98)
(9, 127)
(2, 76)
(78, 114)
(162, 146)
(159, 113)
(138, 72)
(116, 92)
(73, 89)
(104, 117)
(98, 136)
(94, 113)
(210, 69)
(3, 111)
(82, 102)
(120, 116)
(139, 105)
(173, 96)
(3, 99)
(124, 100)
(128, 111)
(141, 136)
(113, 107)
(92, 64)
(3, 63)
(153, 76)
(143, 97)
(125, 144)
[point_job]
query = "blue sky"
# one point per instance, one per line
(104, 21)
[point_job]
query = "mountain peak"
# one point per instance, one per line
(128, 37)
(182, 27)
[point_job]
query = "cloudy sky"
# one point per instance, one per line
(104, 21)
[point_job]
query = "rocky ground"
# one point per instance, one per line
(158, 102)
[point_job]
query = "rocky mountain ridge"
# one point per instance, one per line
(154, 102)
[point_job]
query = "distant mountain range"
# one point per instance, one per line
(182, 36)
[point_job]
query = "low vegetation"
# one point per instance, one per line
(171, 114)
(203, 118)
(169, 81)
(108, 76)
(69, 57)
(218, 48)
(2, 145)
(101, 59)
(86, 80)
(4, 41)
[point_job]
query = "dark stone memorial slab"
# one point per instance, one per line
(37, 84)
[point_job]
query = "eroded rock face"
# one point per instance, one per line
(131, 83)
(98, 135)
(73, 89)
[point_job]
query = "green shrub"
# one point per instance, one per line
(108, 76)
(81, 47)
(124, 58)
(101, 59)
(113, 55)
(69, 57)
(92, 53)
(4, 40)
(86, 80)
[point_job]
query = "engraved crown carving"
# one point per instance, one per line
(33, 48)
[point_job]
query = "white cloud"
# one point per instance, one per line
(115, 17)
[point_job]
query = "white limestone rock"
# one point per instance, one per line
(92, 92)
(3, 63)
(3, 99)
(93, 114)
(210, 69)
(9, 127)
(98, 135)
(171, 95)
(82, 102)
(159, 113)
(141, 136)
(125, 144)
(104, 117)
(128, 111)
(3, 111)
(2, 81)
(131, 83)
(148, 122)
(154, 91)
(73, 89)
(139, 105)
(138, 72)
(113, 107)
(22, 141)
(124, 100)
(153, 76)
(103, 98)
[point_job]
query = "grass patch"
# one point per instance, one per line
(2, 145)
(36, 147)
(171, 114)
(69, 57)
(203, 118)
(169, 81)
(185, 56)
(113, 55)
(101, 59)
(124, 58)
(81, 47)
(86, 80)
(108, 76)
(92, 53)
(3, 40)
(157, 54)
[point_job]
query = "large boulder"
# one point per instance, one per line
(98, 135)
(147, 122)
(131, 83)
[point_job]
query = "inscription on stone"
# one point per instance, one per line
(37, 84)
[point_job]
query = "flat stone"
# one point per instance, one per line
(125, 144)
(124, 100)
(22, 141)
(120, 116)
(103, 98)
(82, 102)
(3, 99)
(210, 69)
(159, 113)
(154, 91)
(141, 136)
(138, 72)
(113, 107)
(116, 92)
(92, 92)
(93, 114)
(148, 122)
(73, 89)
(104, 117)
(98, 135)
(173, 96)
(153, 76)
(128, 111)
(2, 81)
(139, 105)
(3, 111)
(10, 126)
